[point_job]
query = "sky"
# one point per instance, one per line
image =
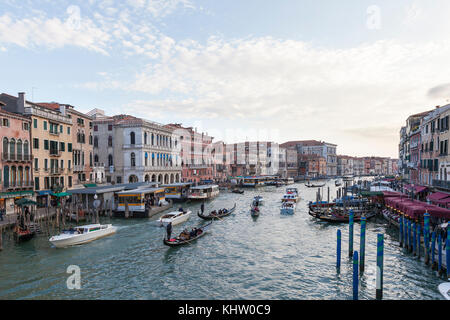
(346, 72)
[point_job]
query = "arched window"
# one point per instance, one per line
(132, 138)
(90, 159)
(90, 139)
(110, 160)
(110, 141)
(153, 159)
(133, 159)
(145, 137)
(12, 148)
(5, 146)
(25, 149)
(83, 138)
(95, 142)
(6, 176)
(153, 139)
(146, 159)
(96, 158)
(19, 149)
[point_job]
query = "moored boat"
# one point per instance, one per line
(82, 234)
(217, 214)
(203, 192)
(237, 191)
(175, 217)
(444, 289)
(186, 237)
(313, 185)
(337, 183)
(23, 234)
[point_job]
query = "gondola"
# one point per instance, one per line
(217, 216)
(345, 219)
(177, 242)
(254, 211)
(237, 191)
(315, 185)
(21, 235)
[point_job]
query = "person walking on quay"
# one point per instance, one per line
(169, 230)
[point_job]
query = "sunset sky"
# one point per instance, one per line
(347, 72)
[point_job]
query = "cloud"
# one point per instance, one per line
(440, 92)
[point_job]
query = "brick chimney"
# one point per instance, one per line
(21, 103)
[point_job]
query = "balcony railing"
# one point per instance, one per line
(78, 168)
(441, 184)
(55, 153)
(18, 184)
(56, 170)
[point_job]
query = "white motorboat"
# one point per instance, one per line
(444, 289)
(259, 200)
(82, 234)
(176, 217)
(290, 197)
(288, 207)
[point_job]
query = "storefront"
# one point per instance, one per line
(7, 199)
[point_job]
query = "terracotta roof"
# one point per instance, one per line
(52, 106)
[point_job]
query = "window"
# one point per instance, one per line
(110, 160)
(35, 123)
(5, 122)
(62, 146)
(25, 126)
(36, 183)
(95, 128)
(35, 143)
(62, 164)
(69, 147)
(70, 181)
(109, 127)
(95, 142)
(95, 158)
(45, 125)
(109, 141)
(133, 159)
(45, 164)
(69, 164)
(90, 139)
(68, 130)
(119, 179)
(36, 163)
(45, 144)
(90, 159)
(132, 138)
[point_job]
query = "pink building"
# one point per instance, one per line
(196, 154)
(16, 160)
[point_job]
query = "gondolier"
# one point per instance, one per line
(202, 207)
(169, 230)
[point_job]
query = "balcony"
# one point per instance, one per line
(18, 185)
(78, 168)
(54, 133)
(55, 153)
(441, 184)
(56, 171)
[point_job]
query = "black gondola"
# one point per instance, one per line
(178, 242)
(21, 235)
(254, 211)
(217, 216)
(237, 191)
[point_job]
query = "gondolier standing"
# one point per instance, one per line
(169, 230)
(202, 207)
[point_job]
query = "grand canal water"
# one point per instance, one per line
(273, 257)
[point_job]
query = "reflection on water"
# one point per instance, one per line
(269, 257)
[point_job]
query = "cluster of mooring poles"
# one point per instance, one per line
(410, 238)
(359, 264)
(410, 234)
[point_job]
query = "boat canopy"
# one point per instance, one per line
(415, 209)
(206, 186)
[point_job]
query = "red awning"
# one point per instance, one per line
(438, 196)
(442, 201)
(418, 189)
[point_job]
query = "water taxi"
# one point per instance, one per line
(175, 217)
(82, 234)
(177, 191)
(136, 199)
(204, 192)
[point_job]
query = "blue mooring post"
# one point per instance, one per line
(433, 248)
(426, 236)
(362, 244)
(405, 232)
(380, 253)
(338, 255)
(418, 240)
(350, 234)
(447, 252)
(400, 231)
(414, 238)
(355, 275)
(439, 253)
(410, 247)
